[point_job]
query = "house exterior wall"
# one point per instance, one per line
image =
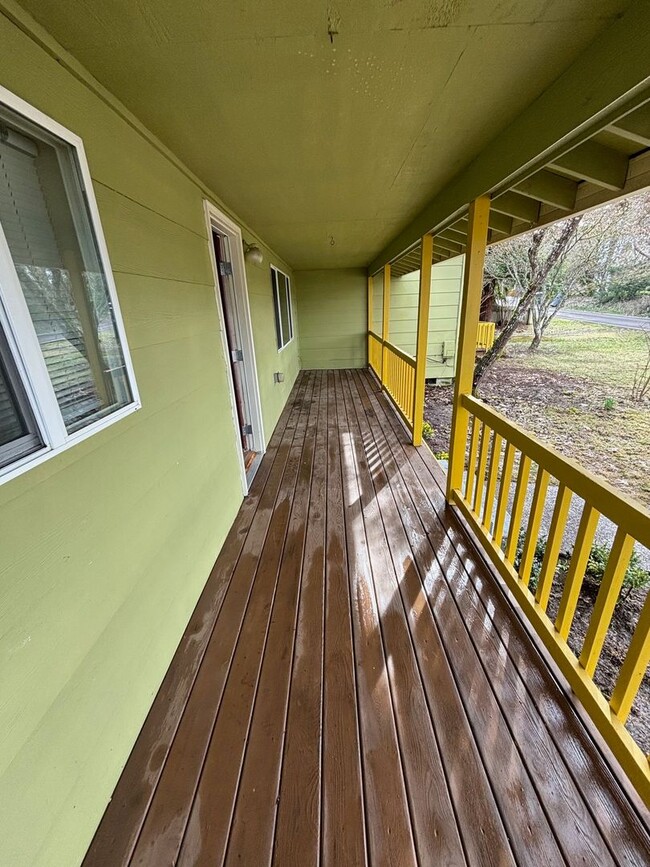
(332, 318)
(446, 283)
(105, 548)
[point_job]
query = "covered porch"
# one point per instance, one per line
(355, 687)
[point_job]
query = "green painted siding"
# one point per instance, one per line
(105, 548)
(446, 281)
(332, 318)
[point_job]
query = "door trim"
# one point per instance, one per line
(217, 221)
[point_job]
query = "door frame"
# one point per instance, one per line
(217, 221)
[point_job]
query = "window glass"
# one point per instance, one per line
(45, 219)
(282, 299)
(18, 435)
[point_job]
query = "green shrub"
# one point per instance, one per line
(635, 578)
(538, 558)
(609, 404)
(428, 430)
(627, 284)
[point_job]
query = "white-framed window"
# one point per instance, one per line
(282, 303)
(65, 369)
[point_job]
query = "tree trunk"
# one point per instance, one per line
(539, 271)
(483, 364)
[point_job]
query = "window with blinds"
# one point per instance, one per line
(56, 302)
(282, 303)
(19, 434)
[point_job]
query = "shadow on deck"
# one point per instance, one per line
(353, 687)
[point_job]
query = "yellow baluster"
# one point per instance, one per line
(576, 573)
(518, 507)
(634, 667)
(495, 460)
(610, 587)
(504, 492)
(553, 544)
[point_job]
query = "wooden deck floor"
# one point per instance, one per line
(354, 689)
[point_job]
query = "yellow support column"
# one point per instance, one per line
(424, 299)
(470, 310)
(385, 318)
(369, 317)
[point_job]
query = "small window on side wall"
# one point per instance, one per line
(282, 303)
(65, 370)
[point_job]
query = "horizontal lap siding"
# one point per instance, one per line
(105, 548)
(443, 315)
(332, 318)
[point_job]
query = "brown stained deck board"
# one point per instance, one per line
(129, 806)
(343, 835)
(297, 833)
(251, 833)
(577, 836)
(165, 824)
(353, 687)
(434, 824)
(623, 829)
(390, 838)
(208, 825)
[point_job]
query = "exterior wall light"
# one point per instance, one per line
(253, 254)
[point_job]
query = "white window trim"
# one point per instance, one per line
(276, 306)
(20, 331)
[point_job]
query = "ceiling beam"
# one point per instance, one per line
(551, 189)
(635, 126)
(443, 244)
(517, 206)
(607, 79)
(456, 237)
(500, 223)
(594, 162)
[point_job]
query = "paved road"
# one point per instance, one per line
(638, 322)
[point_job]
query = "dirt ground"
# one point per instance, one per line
(574, 394)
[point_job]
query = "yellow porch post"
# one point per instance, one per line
(369, 316)
(385, 318)
(424, 298)
(470, 310)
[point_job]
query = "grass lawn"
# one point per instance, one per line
(574, 393)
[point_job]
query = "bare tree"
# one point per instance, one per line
(573, 270)
(528, 274)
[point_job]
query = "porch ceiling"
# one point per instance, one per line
(327, 127)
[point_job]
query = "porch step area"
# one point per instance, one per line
(354, 689)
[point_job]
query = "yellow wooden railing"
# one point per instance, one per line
(479, 484)
(375, 352)
(398, 378)
(395, 370)
(485, 335)
(488, 455)
(402, 375)
(500, 453)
